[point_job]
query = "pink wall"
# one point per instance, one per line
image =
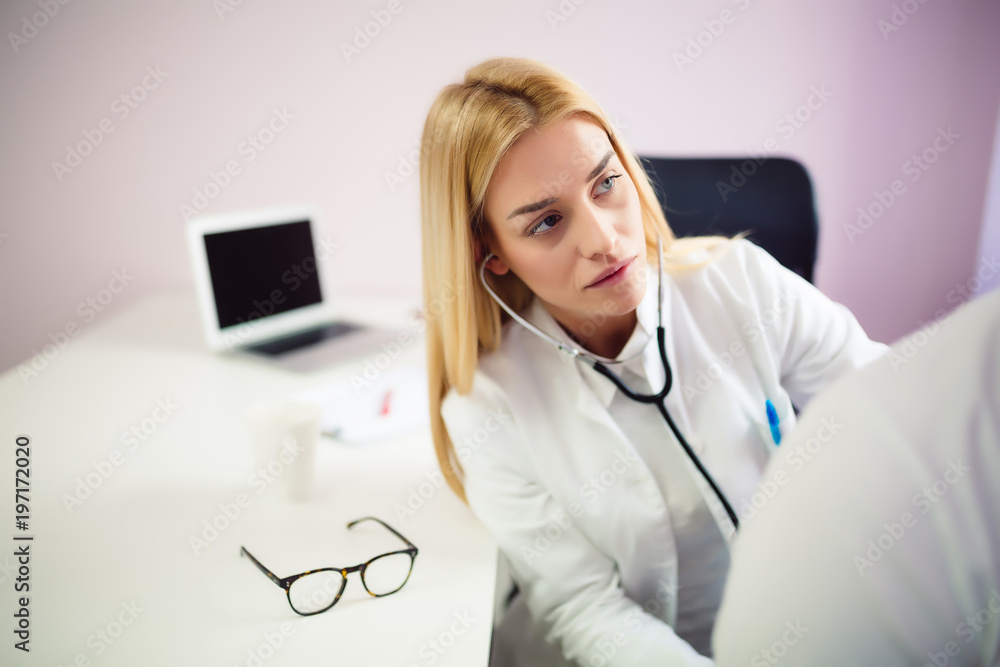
(356, 120)
(989, 240)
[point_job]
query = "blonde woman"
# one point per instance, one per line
(615, 517)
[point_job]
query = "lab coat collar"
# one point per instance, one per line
(643, 335)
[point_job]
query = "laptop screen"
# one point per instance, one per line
(262, 271)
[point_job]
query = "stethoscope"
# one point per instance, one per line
(599, 364)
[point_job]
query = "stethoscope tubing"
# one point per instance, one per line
(599, 364)
(660, 400)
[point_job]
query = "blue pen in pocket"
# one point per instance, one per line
(772, 421)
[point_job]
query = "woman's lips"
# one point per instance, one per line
(613, 276)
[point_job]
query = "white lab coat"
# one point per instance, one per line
(883, 548)
(575, 510)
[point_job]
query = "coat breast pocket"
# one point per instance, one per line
(775, 423)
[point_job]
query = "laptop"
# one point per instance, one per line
(260, 281)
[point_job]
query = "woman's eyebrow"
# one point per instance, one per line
(599, 168)
(531, 208)
(537, 206)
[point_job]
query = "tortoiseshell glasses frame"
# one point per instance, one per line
(326, 585)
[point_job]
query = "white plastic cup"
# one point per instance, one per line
(284, 434)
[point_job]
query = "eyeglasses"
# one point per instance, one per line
(315, 591)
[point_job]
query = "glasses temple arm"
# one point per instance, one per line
(260, 566)
(387, 526)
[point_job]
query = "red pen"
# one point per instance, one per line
(385, 403)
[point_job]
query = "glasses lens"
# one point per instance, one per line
(387, 574)
(316, 592)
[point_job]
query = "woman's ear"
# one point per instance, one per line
(495, 265)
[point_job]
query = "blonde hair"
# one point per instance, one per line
(469, 128)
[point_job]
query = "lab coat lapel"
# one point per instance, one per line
(587, 395)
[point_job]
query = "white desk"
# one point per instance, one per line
(121, 564)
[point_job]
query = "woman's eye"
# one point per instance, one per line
(547, 223)
(607, 184)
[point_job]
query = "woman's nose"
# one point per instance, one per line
(598, 235)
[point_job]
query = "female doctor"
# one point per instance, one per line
(615, 516)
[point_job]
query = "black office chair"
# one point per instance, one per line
(773, 200)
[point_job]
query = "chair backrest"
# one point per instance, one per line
(772, 198)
